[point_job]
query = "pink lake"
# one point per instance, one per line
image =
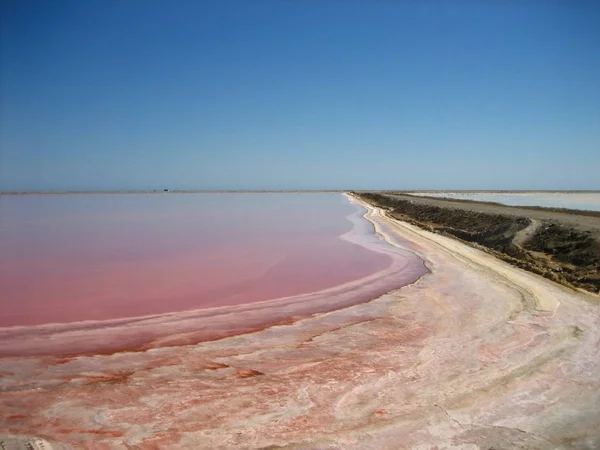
(95, 260)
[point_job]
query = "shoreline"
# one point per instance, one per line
(478, 258)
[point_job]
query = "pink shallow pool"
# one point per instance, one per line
(99, 259)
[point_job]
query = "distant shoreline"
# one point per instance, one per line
(173, 191)
(289, 191)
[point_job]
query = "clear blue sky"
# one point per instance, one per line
(253, 94)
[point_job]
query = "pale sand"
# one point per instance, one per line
(476, 354)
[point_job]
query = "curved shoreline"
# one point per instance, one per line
(172, 262)
(475, 258)
(140, 333)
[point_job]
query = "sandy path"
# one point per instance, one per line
(475, 355)
(521, 237)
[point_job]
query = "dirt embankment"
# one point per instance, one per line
(557, 249)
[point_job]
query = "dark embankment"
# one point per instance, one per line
(550, 243)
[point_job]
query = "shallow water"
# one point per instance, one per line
(70, 258)
(572, 200)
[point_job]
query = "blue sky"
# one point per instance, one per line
(290, 94)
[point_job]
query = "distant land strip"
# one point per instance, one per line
(177, 191)
(451, 200)
(292, 191)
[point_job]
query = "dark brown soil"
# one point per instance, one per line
(564, 247)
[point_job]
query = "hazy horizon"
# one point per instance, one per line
(270, 95)
(267, 191)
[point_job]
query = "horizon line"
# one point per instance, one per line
(234, 191)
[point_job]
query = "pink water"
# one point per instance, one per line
(97, 257)
(95, 260)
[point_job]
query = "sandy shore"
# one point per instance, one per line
(476, 354)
